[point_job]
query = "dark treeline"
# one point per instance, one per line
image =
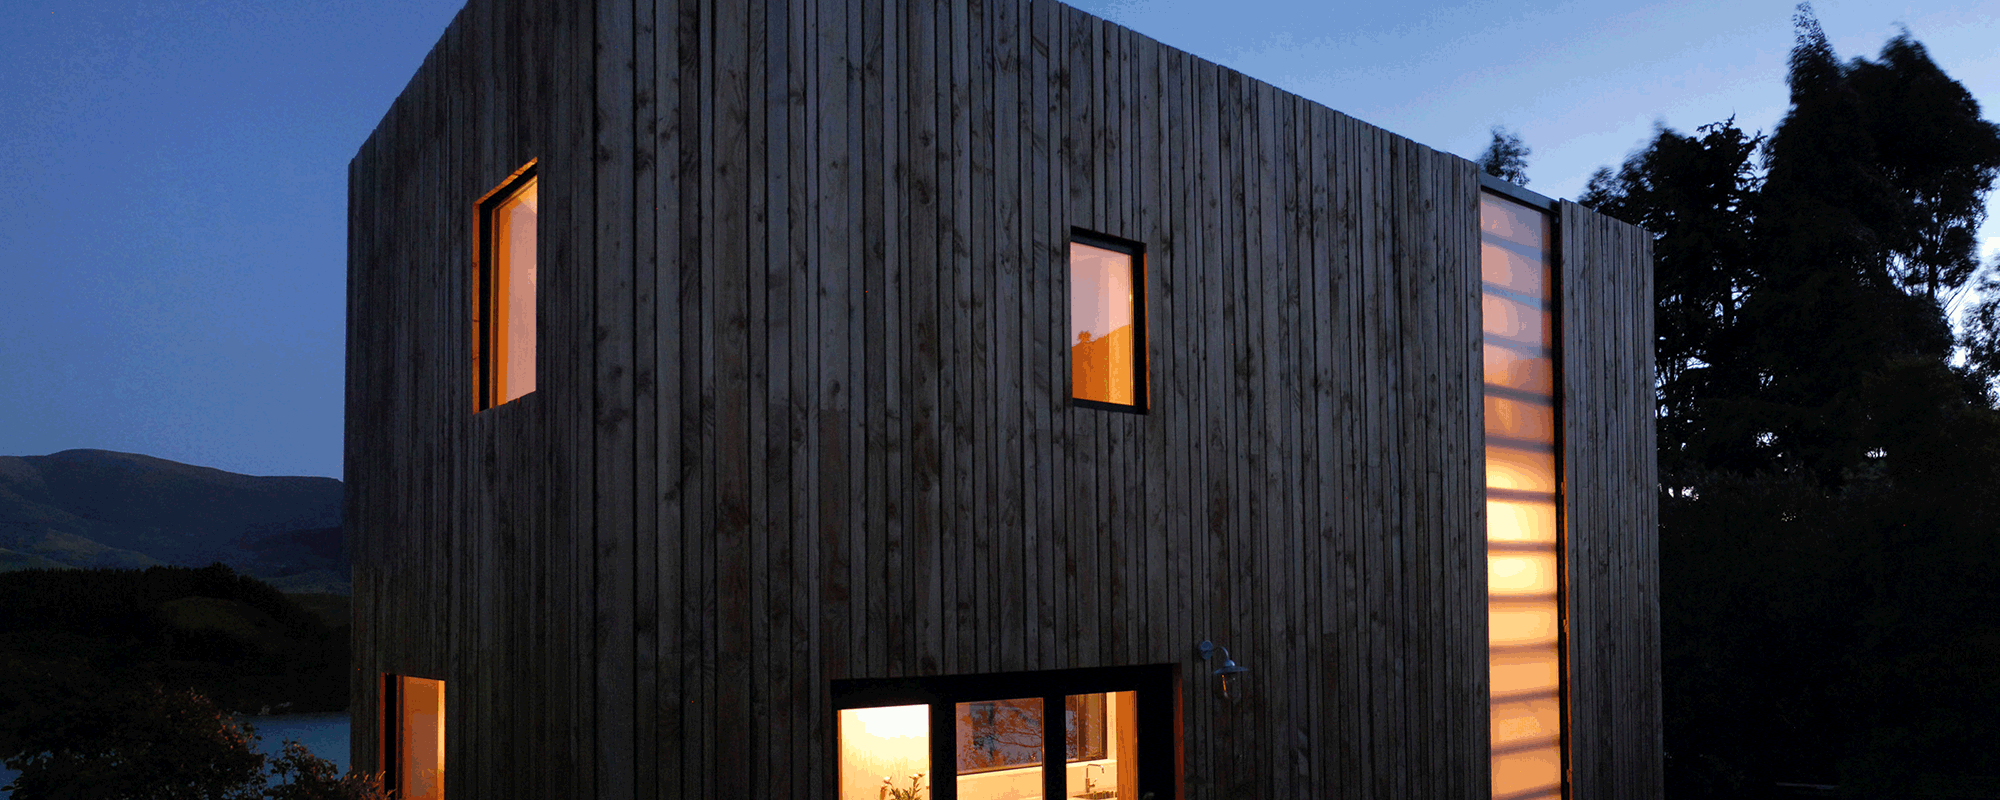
(1829, 447)
(69, 637)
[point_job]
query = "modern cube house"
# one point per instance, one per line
(873, 399)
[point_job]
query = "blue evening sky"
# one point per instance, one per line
(172, 234)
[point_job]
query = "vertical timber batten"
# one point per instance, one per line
(805, 410)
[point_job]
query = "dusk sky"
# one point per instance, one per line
(173, 240)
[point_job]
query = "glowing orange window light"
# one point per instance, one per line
(1524, 562)
(1102, 757)
(414, 756)
(1106, 323)
(884, 752)
(505, 310)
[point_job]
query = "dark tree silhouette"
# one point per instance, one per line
(1506, 157)
(1981, 338)
(153, 743)
(146, 744)
(1695, 193)
(1830, 506)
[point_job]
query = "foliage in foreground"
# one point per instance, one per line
(152, 743)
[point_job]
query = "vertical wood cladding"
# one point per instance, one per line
(802, 408)
(1611, 507)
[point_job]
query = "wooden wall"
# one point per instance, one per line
(463, 526)
(1612, 576)
(802, 407)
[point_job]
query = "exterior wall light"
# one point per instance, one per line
(1230, 677)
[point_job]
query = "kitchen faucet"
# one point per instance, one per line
(1089, 786)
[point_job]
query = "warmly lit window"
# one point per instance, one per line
(1107, 321)
(1001, 753)
(885, 745)
(504, 308)
(999, 748)
(1523, 555)
(413, 737)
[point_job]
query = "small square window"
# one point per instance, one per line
(504, 305)
(1107, 322)
(413, 737)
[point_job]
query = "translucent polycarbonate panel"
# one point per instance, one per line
(1520, 420)
(1516, 774)
(1110, 772)
(885, 752)
(1520, 521)
(420, 739)
(1000, 749)
(1525, 721)
(1518, 623)
(1514, 575)
(1521, 470)
(514, 292)
(1515, 320)
(1519, 673)
(1519, 368)
(1523, 558)
(1503, 220)
(1103, 311)
(1514, 269)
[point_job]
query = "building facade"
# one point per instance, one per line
(806, 398)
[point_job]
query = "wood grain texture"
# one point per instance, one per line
(803, 405)
(1610, 507)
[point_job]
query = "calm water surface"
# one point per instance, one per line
(324, 734)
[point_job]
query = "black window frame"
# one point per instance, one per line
(1142, 398)
(1157, 688)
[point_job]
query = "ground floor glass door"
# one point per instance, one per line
(986, 740)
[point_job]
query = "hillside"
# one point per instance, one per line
(96, 508)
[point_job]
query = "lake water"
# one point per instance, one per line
(324, 734)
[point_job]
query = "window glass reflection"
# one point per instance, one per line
(1000, 749)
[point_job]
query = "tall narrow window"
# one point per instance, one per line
(1107, 322)
(1523, 551)
(504, 310)
(413, 737)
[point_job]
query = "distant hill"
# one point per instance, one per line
(97, 508)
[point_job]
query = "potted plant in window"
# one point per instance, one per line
(890, 791)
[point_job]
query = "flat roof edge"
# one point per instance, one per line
(1514, 192)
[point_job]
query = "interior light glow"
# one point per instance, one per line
(1103, 305)
(1523, 563)
(1513, 521)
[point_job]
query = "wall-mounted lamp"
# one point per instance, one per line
(1230, 677)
